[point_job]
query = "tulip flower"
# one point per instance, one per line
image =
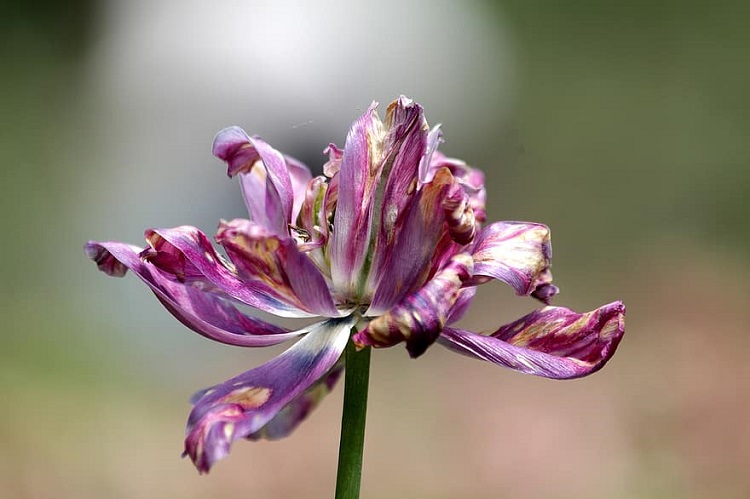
(386, 248)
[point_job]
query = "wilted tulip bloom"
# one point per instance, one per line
(387, 247)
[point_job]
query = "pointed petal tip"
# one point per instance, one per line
(404, 100)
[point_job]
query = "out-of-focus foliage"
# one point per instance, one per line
(638, 110)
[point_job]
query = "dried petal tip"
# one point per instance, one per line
(233, 145)
(211, 440)
(104, 259)
(545, 291)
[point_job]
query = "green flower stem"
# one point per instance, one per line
(356, 378)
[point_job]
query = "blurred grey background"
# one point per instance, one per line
(622, 125)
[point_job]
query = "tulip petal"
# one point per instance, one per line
(264, 175)
(406, 265)
(553, 342)
(420, 317)
(313, 230)
(242, 406)
(361, 165)
(276, 265)
(471, 179)
(300, 176)
(463, 302)
(405, 144)
(296, 411)
(333, 165)
(434, 138)
(517, 253)
(208, 314)
(186, 253)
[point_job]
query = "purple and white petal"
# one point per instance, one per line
(296, 411)
(186, 253)
(517, 253)
(208, 314)
(361, 165)
(553, 342)
(242, 406)
(420, 317)
(275, 264)
(265, 177)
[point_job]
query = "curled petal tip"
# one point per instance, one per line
(104, 260)
(210, 440)
(333, 165)
(228, 145)
(545, 292)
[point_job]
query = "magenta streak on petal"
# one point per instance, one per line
(517, 253)
(242, 406)
(404, 145)
(196, 251)
(554, 342)
(358, 180)
(276, 264)
(205, 313)
(406, 265)
(241, 153)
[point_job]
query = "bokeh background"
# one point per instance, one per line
(622, 125)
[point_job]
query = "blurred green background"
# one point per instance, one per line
(622, 125)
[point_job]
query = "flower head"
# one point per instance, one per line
(389, 242)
